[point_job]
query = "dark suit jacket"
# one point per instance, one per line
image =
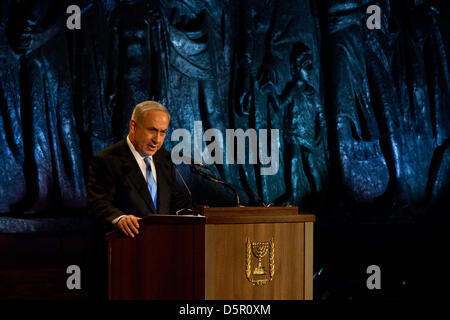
(116, 185)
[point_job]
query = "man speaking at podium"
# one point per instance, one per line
(135, 177)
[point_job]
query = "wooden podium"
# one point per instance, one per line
(239, 253)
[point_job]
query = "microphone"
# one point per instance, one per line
(195, 170)
(190, 162)
(259, 199)
(184, 182)
(192, 165)
(185, 211)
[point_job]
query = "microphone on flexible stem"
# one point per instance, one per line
(259, 199)
(195, 170)
(189, 161)
(184, 211)
(184, 182)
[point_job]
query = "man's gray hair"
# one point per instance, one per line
(140, 110)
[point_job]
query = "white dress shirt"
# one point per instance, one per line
(141, 163)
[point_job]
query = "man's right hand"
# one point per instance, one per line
(129, 225)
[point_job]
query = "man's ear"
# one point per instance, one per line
(132, 126)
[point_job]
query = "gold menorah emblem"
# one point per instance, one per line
(260, 250)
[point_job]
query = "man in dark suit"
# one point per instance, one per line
(135, 177)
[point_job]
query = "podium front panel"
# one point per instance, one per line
(258, 261)
(165, 261)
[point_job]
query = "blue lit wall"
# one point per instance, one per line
(364, 115)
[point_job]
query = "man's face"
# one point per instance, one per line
(148, 137)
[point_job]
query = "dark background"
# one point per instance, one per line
(364, 122)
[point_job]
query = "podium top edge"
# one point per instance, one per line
(226, 215)
(250, 210)
(161, 219)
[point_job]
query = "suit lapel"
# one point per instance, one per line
(158, 178)
(133, 173)
(163, 195)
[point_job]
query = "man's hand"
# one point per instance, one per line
(129, 225)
